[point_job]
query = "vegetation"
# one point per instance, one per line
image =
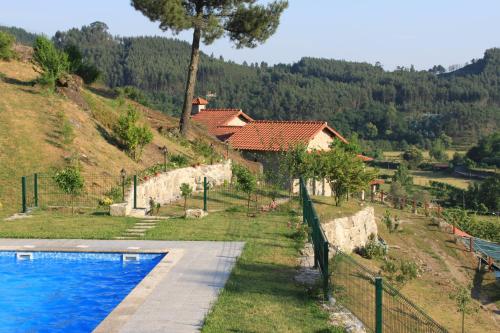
(485, 229)
(245, 182)
(464, 303)
(70, 181)
(413, 157)
(77, 65)
(50, 62)
(6, 43)
(246, 23)
(186, 192)
(344, 171)
(132, 136)
(407, 107)
(487, 151)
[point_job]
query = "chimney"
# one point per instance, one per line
(199, 104)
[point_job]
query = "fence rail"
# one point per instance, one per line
(380, 306)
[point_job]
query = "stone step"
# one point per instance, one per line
(145, 225)
(133, 233)
(140, 223)
(139, 229)
(124, 238)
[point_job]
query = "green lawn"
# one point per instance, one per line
(261, 294)
(52, 225)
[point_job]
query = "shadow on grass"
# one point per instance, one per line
(106, 93)
(14, 81)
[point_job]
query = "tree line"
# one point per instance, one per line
(382, 106)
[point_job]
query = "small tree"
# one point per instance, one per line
(71, 182)
(403, 177)
(413, 156)
(463, 301)
(245, 182)
(186, 192)
(438, 151)
(77, 65)
(49, 62)
(132, 136)
(6, 42)
(344, 171)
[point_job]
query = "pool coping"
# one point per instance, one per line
(157, 303)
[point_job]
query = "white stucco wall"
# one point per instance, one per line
(320, 141)
(165, 188)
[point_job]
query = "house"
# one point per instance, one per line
(221, 123)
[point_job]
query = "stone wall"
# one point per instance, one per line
(165, 187)
(349, 233)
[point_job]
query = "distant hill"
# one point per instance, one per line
(22, 36)
(402, 106)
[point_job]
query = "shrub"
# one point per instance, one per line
(179, 160)
(89, 73)
(245, 182)
(134, 94)
(373, 249)
(6, 42)
(132, 136)
(49, 62)
(387, 219)
(70, 181)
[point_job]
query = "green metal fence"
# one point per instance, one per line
(41, 190)
(318, 238)
(380, 307)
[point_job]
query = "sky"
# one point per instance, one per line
(422, 33)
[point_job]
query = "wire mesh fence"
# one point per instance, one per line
(353, 286)
(97, 192)
(229, 196)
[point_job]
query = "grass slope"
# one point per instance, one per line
(30, 139)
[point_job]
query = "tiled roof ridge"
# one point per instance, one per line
(319, 122)
(219, 110)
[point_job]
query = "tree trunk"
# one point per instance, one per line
(191, 83)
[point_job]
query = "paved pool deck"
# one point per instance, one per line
(174, 297)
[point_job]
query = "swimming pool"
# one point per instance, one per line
(65, 291)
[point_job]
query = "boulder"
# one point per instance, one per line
(195, 213)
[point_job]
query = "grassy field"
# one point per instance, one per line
(443, 264)
(423, 178)
(396, 155)
(52, 225)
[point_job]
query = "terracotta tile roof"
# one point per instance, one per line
(264, 135)
(200, 101)
(225, 132)
(213, 118)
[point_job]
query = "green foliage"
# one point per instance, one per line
(49, 62)
(487, 151)
(438, 151)
(186, 191)
(464, 303)
(387, 219)
(6, 43)
(202, 148)
(404, 105)
(413, 157)
(403, 177)
(132, 136)
(345, 172)
(373, 249)
(65, 128)
(134, 94)
(484, 229)
(70, 181)
(245, 181)
(179, 160)
(21, 35)
(77, 65)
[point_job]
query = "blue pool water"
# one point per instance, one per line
(65, 292)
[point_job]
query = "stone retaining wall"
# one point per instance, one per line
(349, 233)
(165, 187)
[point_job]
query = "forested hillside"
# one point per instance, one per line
(405, 104)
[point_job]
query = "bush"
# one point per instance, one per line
(70, 181)
(373, 249)
(49, 62)
(89, 73)
(134, 94)
(179, 160)
(132, 136)
(6, 42)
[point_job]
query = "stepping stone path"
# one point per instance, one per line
(140, 228)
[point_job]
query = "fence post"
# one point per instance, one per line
(315, 238)
(326, 274)
(23, 194)
(205, 194)
(35, 188)
(135, 191)
(378, 305)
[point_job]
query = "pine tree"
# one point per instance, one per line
(243, 21)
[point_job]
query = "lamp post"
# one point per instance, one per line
(164, 150)
(123, 174)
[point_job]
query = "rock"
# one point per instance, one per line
(118, 209)
(195, 213)
(71, 81)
